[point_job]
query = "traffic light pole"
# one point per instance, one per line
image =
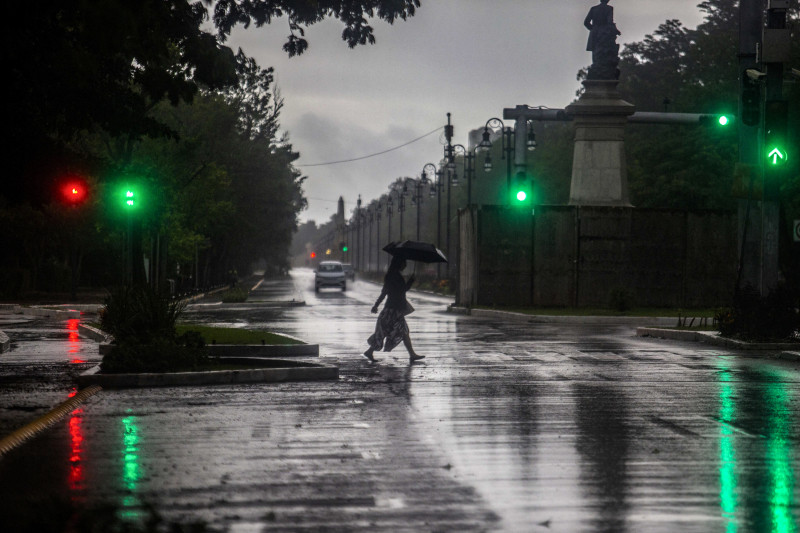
(775, 50)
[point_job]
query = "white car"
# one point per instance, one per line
(330, 274)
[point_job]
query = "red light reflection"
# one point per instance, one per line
(74, 340)
(76, 477)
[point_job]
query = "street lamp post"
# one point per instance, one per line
(370, 218)
(436, 189)
(417, 198)
(378, 214)
(389, 205)
(358, 233)
(468, 166)
(508, 146)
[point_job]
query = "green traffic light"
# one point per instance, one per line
(776, 156)
(521, 196)
(344, 249)
(723, 120)
(129, 198)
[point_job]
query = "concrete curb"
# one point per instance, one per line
(94, 333)
(32, 429)
(287, 371)
(248, 350)
(712, 338)
(790, 356)
(263, 350)
(564, 319)
(48, 312)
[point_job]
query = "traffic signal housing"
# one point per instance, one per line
(751, 101)
(776, 150)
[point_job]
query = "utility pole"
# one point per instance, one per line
(749, 168)
(775, 51)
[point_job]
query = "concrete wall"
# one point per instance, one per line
(582, 256)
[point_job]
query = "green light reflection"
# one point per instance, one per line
(779, 460)
(727, 453)
(131, 469)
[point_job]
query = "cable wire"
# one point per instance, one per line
(372, 155)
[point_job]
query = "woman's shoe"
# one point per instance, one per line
(368, 355)
(415, 357)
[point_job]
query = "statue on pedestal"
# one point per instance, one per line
(602, 42)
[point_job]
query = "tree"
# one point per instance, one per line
(80, 65)
(229, 13)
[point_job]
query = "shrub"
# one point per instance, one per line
(235, 295)
(140, 312)
(774, 317)
(142, 321)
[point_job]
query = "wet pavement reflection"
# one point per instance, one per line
(507, 426)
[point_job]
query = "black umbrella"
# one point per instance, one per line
(422, 252)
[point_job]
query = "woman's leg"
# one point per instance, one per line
(412, 355)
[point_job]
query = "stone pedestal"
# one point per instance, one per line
(599, 173)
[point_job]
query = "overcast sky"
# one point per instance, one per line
(471, 58)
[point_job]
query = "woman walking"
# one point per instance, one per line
(391, 327)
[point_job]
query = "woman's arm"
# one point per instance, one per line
(380, 299)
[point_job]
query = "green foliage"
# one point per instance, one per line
(353, 13)
(138, 313)
(235, 295)
(771, 318)
(216, 335)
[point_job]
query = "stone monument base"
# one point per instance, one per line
(599, 172)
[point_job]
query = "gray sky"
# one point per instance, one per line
(471, 58)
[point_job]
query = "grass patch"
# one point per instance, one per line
(235, 295)
(217, 335)
(596, 311)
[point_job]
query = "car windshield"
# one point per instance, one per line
(330, 268)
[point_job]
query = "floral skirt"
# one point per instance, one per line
(390, 329)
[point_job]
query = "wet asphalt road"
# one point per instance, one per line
(505, 427)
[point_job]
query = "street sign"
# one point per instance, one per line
(796, 231)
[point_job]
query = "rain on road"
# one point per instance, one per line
(507, 426)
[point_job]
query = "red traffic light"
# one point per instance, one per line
(74, 191)
(313, 255)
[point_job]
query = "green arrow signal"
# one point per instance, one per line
(776, 154)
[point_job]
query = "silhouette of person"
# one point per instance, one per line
(391, 328)
(599, 16)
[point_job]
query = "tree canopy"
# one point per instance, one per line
(79, 65)
(144, 92)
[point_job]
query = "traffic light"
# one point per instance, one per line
(343, 246)
(313, 255)
(776, 114)
(751, 101)
(717, 120)
(74, 191)
(521, 193)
